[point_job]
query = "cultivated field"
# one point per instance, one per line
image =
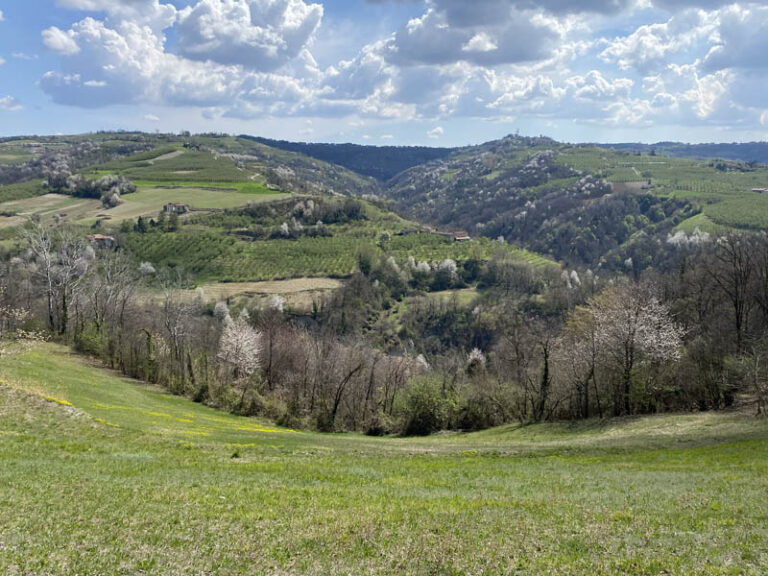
(102, 475)
(725, 196)
(298, 293)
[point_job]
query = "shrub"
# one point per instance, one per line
(426, 408)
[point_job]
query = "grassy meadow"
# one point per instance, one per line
(102, 475)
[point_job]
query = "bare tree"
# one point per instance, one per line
(732, 273)
(61, 259)
(577, 357)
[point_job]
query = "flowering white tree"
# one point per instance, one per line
(633, 326)
(240, 348)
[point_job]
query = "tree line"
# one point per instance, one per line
(384, 354)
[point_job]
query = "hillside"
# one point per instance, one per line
(380, 162)
(740, 151)
(185, 489)
(579, 203)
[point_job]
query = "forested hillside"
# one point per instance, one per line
(579, 204)
(380, 162)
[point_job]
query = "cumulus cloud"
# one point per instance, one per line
(57, 40)
(257, 34)
(652, 46)
(435, 38)
(595, 86)
(10, 103)
(498, 59)
(144, 12)
(2, 18)
(742, 40)
(129, 64)
(488, 12)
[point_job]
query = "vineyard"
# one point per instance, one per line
(724, 193)
(165, 165)
(215, 256)
(29, 189)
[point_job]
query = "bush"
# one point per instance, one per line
(380, 424)
(426, 408)
(90, 341)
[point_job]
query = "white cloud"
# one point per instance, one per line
(143, 12)
(2, 18)
(436, 39)
(653, 46)
(257, 34)
(594, 86)
(151, 118)
(57, 40)
(2, 60)
(10, 103)
(488, 59)
(742, 40)
(480, 42)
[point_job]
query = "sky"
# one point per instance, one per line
(428, 72)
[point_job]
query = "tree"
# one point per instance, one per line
(240, 349)
(61, 259)
(631, 327)
(577, 355)
(732, 272)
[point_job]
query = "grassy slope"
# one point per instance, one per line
(725, 198)
(129, 480)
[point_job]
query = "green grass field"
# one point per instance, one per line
(102, 475)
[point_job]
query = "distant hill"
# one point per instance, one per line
(380, 162)
(580, 203)
(746, 152)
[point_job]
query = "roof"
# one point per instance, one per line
(100, 237)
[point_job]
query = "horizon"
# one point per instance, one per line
(389, 144)
(378, 72)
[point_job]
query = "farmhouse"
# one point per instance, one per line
(176, 208)
(102, 241)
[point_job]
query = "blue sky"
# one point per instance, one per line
(437, 72)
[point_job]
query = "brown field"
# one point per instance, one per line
(299, 293)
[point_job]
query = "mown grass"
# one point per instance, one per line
(129, 480)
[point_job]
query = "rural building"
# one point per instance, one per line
(461, 238)
(760, 190)
(176, 208)
(102, 241)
